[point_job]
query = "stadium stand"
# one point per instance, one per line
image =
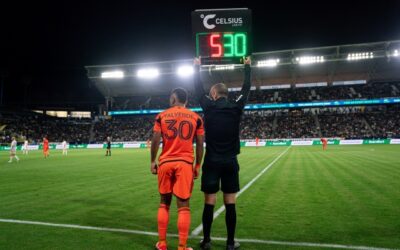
(341, 122)
(124, 129)
(35, 126)
(369, 90)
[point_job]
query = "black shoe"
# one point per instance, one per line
(233, 247)
(205, 245)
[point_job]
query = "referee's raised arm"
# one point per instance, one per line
(245, 91)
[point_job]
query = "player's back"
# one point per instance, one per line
(178, 126)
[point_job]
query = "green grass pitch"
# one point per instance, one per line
(348, 195)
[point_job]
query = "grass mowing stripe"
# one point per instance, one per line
(129, 231)
(199, 228)
(361, 177)
(359, 204)
(293, 202)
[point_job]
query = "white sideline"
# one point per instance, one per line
(138, 232)
(198, 229)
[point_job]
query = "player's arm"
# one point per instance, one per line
(245, 91)
(199, 146)
(198, 86)
(155, 145)
(199, 154)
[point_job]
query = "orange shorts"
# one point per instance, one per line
(176, 177)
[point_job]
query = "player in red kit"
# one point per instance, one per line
(257, 141)
(324, 143)
(45, 147)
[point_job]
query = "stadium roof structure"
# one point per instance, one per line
(378, 61)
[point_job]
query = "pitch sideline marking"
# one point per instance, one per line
(138, 232)
(198, 229)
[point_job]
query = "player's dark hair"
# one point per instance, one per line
(181, 94)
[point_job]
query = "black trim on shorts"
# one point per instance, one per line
(188, 162)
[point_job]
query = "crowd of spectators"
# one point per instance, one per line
(349, 126)
(257, 124)
(349, 122)
(136, 128)
(296, 124)
(35, 127)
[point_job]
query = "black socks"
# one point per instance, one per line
(230, 220)
(208, 216)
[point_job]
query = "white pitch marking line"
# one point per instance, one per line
(138, 232)
(198, 229)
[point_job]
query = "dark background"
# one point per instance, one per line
(44, 46)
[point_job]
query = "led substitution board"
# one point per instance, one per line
(222, 36)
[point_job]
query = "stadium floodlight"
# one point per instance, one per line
(395, 53)
(268, 63)
(148, 73)
(185, 71)
(113, 74)
(310, 59)
(225, 67)
(360, 56)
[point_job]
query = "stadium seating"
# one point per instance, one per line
(363, 91)
(35, 127)
(344, 122)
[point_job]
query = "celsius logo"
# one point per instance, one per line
(205, 21)
(234, 21)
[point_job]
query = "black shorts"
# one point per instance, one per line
(225, 173)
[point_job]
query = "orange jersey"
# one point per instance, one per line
(46, 144)
(178, 127)
(324, 141)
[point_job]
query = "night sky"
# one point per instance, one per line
(44, 45)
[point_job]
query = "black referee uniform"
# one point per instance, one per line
(108, 152)
(220, 168)
(222, 128)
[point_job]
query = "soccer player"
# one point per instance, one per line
(25, 147)
(220, 168)
(64, 148)
(148, 143)
(45, 147)
(13, 150)
(108, 151)
(178, 127)
(324, 143)
(257, 141)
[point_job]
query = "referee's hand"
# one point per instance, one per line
(197, 61)
(247, 60)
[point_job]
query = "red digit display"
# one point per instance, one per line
(222, 36)
(221, 44)
(215, 44)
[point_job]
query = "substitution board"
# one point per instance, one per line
(222, 36)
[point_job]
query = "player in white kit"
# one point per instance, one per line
(25, 148)
(13, 150)
(64, 148)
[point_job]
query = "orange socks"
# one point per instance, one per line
(163, 218)
(183, 226)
